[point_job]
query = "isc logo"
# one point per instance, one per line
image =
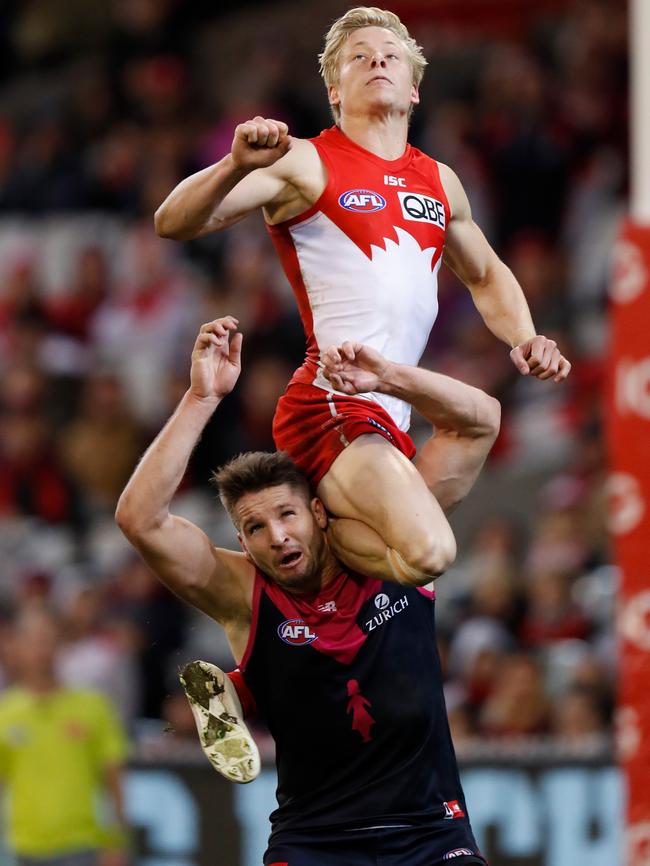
(295, 632)
(362, 201)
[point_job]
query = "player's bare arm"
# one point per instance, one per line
(218, 582)
(354, 368)
(465, 419)
(114, 779)
(266, 168)
(495, 290)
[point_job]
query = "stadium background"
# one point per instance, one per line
(104, 107)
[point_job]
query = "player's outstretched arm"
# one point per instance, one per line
(354, 368)
(216, 197)
(495, 290)
(218, 582)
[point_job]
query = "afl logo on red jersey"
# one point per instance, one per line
(362, 201)
(296, 632)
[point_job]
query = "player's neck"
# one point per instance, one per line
(331, 570)
(385, 136)
(41, 683)
(328, 570)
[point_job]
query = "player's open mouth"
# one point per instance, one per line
(290, 559)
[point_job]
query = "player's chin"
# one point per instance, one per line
(299, 576)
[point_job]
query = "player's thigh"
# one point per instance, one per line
(372, 481)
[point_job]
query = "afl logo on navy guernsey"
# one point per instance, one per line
(362, 201)
(296, 632)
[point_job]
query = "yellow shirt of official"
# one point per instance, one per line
(54, 749)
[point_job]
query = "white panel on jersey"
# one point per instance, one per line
(389, 301)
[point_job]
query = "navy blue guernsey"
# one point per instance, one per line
(349, 684)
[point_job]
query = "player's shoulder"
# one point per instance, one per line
(447, 174)
(456, 195)
(302, 154)
(234, 564)
(304, 176)
(13, 700)
(301, 151)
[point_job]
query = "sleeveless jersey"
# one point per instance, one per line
(350, 687)
(363, 260)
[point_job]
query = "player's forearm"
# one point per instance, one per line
(442, 400)
(114, 775)
(503, 307)
(188, 208)
(144, 503)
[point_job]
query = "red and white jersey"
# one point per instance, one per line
(363, 260)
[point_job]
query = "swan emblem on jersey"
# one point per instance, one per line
(362, 201)
(296, 632)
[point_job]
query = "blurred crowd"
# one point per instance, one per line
(104, 107)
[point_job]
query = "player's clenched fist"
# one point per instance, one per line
(540, 357)
(259, 143)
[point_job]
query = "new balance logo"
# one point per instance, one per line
(328, 607)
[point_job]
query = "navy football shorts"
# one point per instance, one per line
(450, 845)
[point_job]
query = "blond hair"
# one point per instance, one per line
(354, 19)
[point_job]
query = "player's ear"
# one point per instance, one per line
(242, 544)
(333, 94)
(415, 95)
(319, 512)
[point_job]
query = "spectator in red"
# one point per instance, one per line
(518, 705)
(551, 614)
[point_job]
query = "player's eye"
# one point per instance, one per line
(288, 513)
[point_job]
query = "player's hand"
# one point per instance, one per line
(540, 357)
(216, 359)
(259, 143)
(354, 368)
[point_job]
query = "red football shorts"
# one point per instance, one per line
(313, 426)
